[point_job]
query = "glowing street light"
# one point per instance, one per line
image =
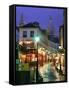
(37, 39)
(60, 47)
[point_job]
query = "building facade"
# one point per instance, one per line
(28, 44)
(62, 37)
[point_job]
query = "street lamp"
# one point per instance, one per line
(61, 50)
(37, 40)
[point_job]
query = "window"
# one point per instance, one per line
(31, 33)
(24, 33)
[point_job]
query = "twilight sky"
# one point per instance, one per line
(41, 15)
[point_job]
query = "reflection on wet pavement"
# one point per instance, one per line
(49, 73)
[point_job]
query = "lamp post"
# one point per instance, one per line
(60, 56)
(61, 50)
(37, 40)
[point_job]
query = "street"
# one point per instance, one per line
(49, 73)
